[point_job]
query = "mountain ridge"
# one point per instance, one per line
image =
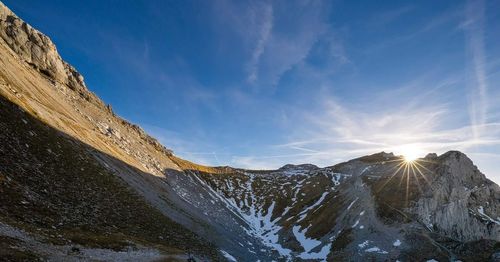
(362, 175)
(376, 207)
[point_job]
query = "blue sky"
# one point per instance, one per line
(264, 83)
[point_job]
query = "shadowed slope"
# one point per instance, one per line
(52, 186)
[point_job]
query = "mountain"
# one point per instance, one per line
(77, 182)
(376, 207)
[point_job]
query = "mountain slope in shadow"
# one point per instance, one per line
(53, 189)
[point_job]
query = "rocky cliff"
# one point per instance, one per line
(37, 50)
(461, 202)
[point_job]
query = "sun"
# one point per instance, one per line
(410, 152)
(410, 167)
(410, 157)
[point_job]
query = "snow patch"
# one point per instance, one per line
(265, 228)
(228, 256)
(304, 213)
(336, 178)
(364, 244)
(365, 169)
(309, 244)
(321, 255)
(397, 243)
(352, 203)
(259, 225)
(375, 249)
(486, 217)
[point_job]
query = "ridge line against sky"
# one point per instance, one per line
(259, 84)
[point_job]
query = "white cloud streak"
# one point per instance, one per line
(474, 33)
(298, 26)
(266, 15)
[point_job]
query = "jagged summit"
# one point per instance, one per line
(40, 53)
(77, 181)
(37, 50)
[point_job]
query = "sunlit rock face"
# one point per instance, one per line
(39, 51)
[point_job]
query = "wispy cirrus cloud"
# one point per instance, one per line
(426, 26)
(473, 27)
(264, 33)
(276, 35)
(299, 25)
(341, 133)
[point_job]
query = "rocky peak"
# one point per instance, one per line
(461, 169)
(460, 201)
(431, 156)
(39, 51)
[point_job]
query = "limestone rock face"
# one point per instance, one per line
(461, 202)
(39, 51)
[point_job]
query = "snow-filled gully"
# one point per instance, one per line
(259, 222)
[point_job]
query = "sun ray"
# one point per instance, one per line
(422, 166)
(404, 174)
(413, 166)
(407, 184)
(411, 170)
(400, 165)
(422, 174)
(426, 161)
(394, 160)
